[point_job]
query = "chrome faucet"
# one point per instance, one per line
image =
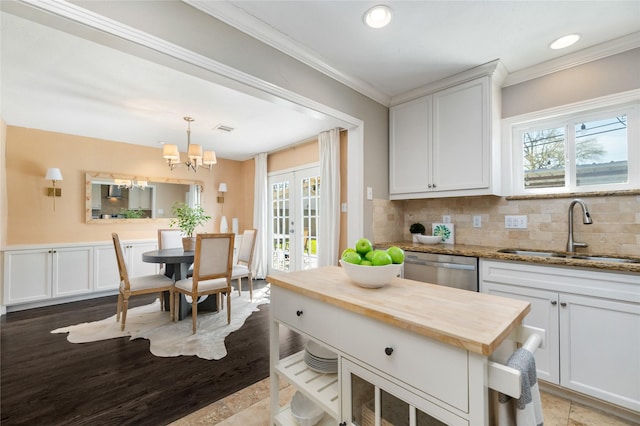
(586, 219)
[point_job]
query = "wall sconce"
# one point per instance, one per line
(54, 174)
(222, 188)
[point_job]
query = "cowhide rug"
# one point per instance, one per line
(169, 338)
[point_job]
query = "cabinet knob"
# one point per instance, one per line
(563, 304)
(430, 186)
(343, 424)
(554, 302)
(388, 350)
(299, 313)
(434, 185)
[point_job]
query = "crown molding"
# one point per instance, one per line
(590, 54)
(232, 15)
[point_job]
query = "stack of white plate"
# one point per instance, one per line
(320, 359)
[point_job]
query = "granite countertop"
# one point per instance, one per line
(492, 253)
(476, 322)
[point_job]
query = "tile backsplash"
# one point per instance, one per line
(615, 228)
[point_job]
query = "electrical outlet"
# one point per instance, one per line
(477, 221)
(446, 219)
(515, 221)
(343, 207)
(369, 193)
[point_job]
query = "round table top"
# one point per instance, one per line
(172, 255)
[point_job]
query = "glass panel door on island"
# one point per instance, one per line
(371, 400)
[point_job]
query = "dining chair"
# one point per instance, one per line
(242, 268)
(156, 283)
(212, 267)
(169, 238)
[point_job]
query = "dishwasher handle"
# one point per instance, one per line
(446, 265)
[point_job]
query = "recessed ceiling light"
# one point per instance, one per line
(564, 41)
(378, 16)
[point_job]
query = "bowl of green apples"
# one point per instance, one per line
(369, 267)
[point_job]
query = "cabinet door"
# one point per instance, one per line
(369, 399)
(544, 315)
(27, 276)
(105, 267)
(461, 137)
(135, 266)
(72, 271)
(600, 346)
(409, 139)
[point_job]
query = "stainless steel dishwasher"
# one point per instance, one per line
(443, 269)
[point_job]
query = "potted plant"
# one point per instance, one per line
(187, 219)
(416, 228)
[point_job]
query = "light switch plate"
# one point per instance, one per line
(369, 193)
(477, 221)
(515, 221)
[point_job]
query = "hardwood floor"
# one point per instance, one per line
(46, 380)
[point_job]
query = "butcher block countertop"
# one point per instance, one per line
(473, 321)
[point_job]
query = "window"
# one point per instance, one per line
(579, 151)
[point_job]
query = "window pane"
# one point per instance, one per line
(544, 158)
(601, 151)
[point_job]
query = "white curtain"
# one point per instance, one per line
(260, 217)
(329, 226)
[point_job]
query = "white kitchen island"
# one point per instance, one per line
(408, 353)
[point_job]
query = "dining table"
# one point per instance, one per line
(177, 263)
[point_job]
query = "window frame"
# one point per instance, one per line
(567, 116)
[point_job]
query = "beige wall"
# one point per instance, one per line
(613, 74)
(30, 216)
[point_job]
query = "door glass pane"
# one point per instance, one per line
(362, 402)
(544, 158)
(423, 419)
(280, 233)
(311, 212)
(394, 411)
(601, 151)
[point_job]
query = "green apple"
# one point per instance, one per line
(352, 257)
(369, 255)
(363, 246)
(396, 253)
(347, 250)
(366, 263)
(381, 258)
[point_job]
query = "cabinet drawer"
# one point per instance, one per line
(429, 366)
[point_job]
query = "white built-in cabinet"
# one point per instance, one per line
(446, 143)
(56, 273)
(140, 198)
(592, 323)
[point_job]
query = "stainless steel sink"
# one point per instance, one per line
(523, 252)
(605, 259)
(531, 253)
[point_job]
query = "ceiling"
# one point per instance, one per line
(58, 81)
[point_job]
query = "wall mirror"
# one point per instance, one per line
(114, 197)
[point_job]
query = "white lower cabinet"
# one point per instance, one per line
(592, 320)
(382, 369)
(40, 274)
(45, 273)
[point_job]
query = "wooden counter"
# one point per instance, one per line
(473, 321)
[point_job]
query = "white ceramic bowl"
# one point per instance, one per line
(429, 239)
(305, 411)
(371, 276)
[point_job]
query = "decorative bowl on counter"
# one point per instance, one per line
(371, 276)
(305, 411)
(429, 239)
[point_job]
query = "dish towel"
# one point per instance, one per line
(527, 410)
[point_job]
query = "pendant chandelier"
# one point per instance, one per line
(195, 156)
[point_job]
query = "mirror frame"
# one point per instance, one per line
(90, 176)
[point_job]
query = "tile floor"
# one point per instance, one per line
(250, 407)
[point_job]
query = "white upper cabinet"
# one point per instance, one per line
(446, 143)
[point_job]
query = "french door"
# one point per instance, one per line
(294, 198)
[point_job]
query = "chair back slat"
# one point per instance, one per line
(247, 245)
(213, 257)
(169, 238)
(122, 266)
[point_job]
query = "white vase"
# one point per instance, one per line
(234, 225)
(224, 226)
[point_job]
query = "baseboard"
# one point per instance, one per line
(591, 402)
